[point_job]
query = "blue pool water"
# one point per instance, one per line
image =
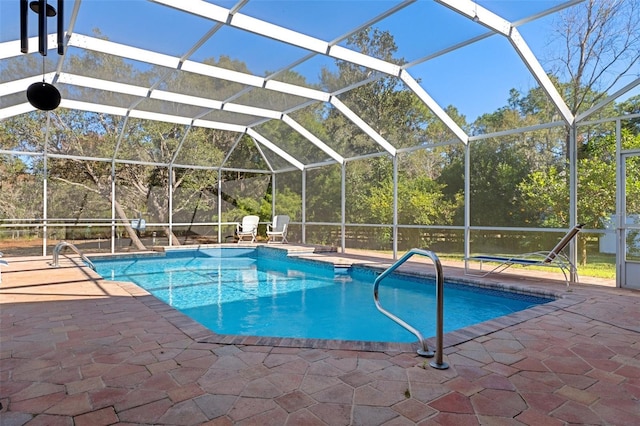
(238, 291)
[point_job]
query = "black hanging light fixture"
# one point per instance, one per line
(42, 95)
(35, 6)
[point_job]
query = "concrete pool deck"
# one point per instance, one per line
(76, 349)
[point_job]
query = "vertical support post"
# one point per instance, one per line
(170, 193)
(395, 207)
(45, 180)
(220, 206)
(467, 204)
(45, 230)
(304, 206)
(343, 207)
(113, 207)
(573, 196)
(273, 194)
(113, 179)
(621, 278)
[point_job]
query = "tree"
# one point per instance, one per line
(545, 191)
(140, 189)
(19, 188)
(600, 42)
(395, 113)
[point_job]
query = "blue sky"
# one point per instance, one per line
(475, 79)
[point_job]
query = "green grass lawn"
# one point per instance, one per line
(599, 265)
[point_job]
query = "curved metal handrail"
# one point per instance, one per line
(4, 263)
(424, 351)
(63, 244)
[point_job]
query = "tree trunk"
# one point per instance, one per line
(171, 236)
(582, 243)
(127, 226)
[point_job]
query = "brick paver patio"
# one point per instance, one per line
(78, 350)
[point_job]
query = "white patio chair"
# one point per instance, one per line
(248, 228)
(278, 229)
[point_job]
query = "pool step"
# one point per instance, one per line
(341, 269)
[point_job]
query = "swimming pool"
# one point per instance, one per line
(251, 292)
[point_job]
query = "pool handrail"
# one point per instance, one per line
(424, 350)
(63, 244)
(4, 263)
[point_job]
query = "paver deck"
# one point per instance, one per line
(78, 350)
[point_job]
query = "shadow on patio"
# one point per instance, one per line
(80, 350)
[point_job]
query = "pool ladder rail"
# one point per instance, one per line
(424, 350)
(2, 263)
(62, 245)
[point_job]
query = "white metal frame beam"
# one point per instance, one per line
(276, 32)
(11, 49)
(337, 103)
(540, 75)
(433, 106)
(18, 86)
(502, 26)
(312, 138)
(173, 62)
(233, 18)
(273, 147)
(607, 100)
(259, 27)
(266, 29)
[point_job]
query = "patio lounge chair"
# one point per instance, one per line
(278, 229)
(555, 258)
(248, 228)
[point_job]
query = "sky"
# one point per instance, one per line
(476, 79)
